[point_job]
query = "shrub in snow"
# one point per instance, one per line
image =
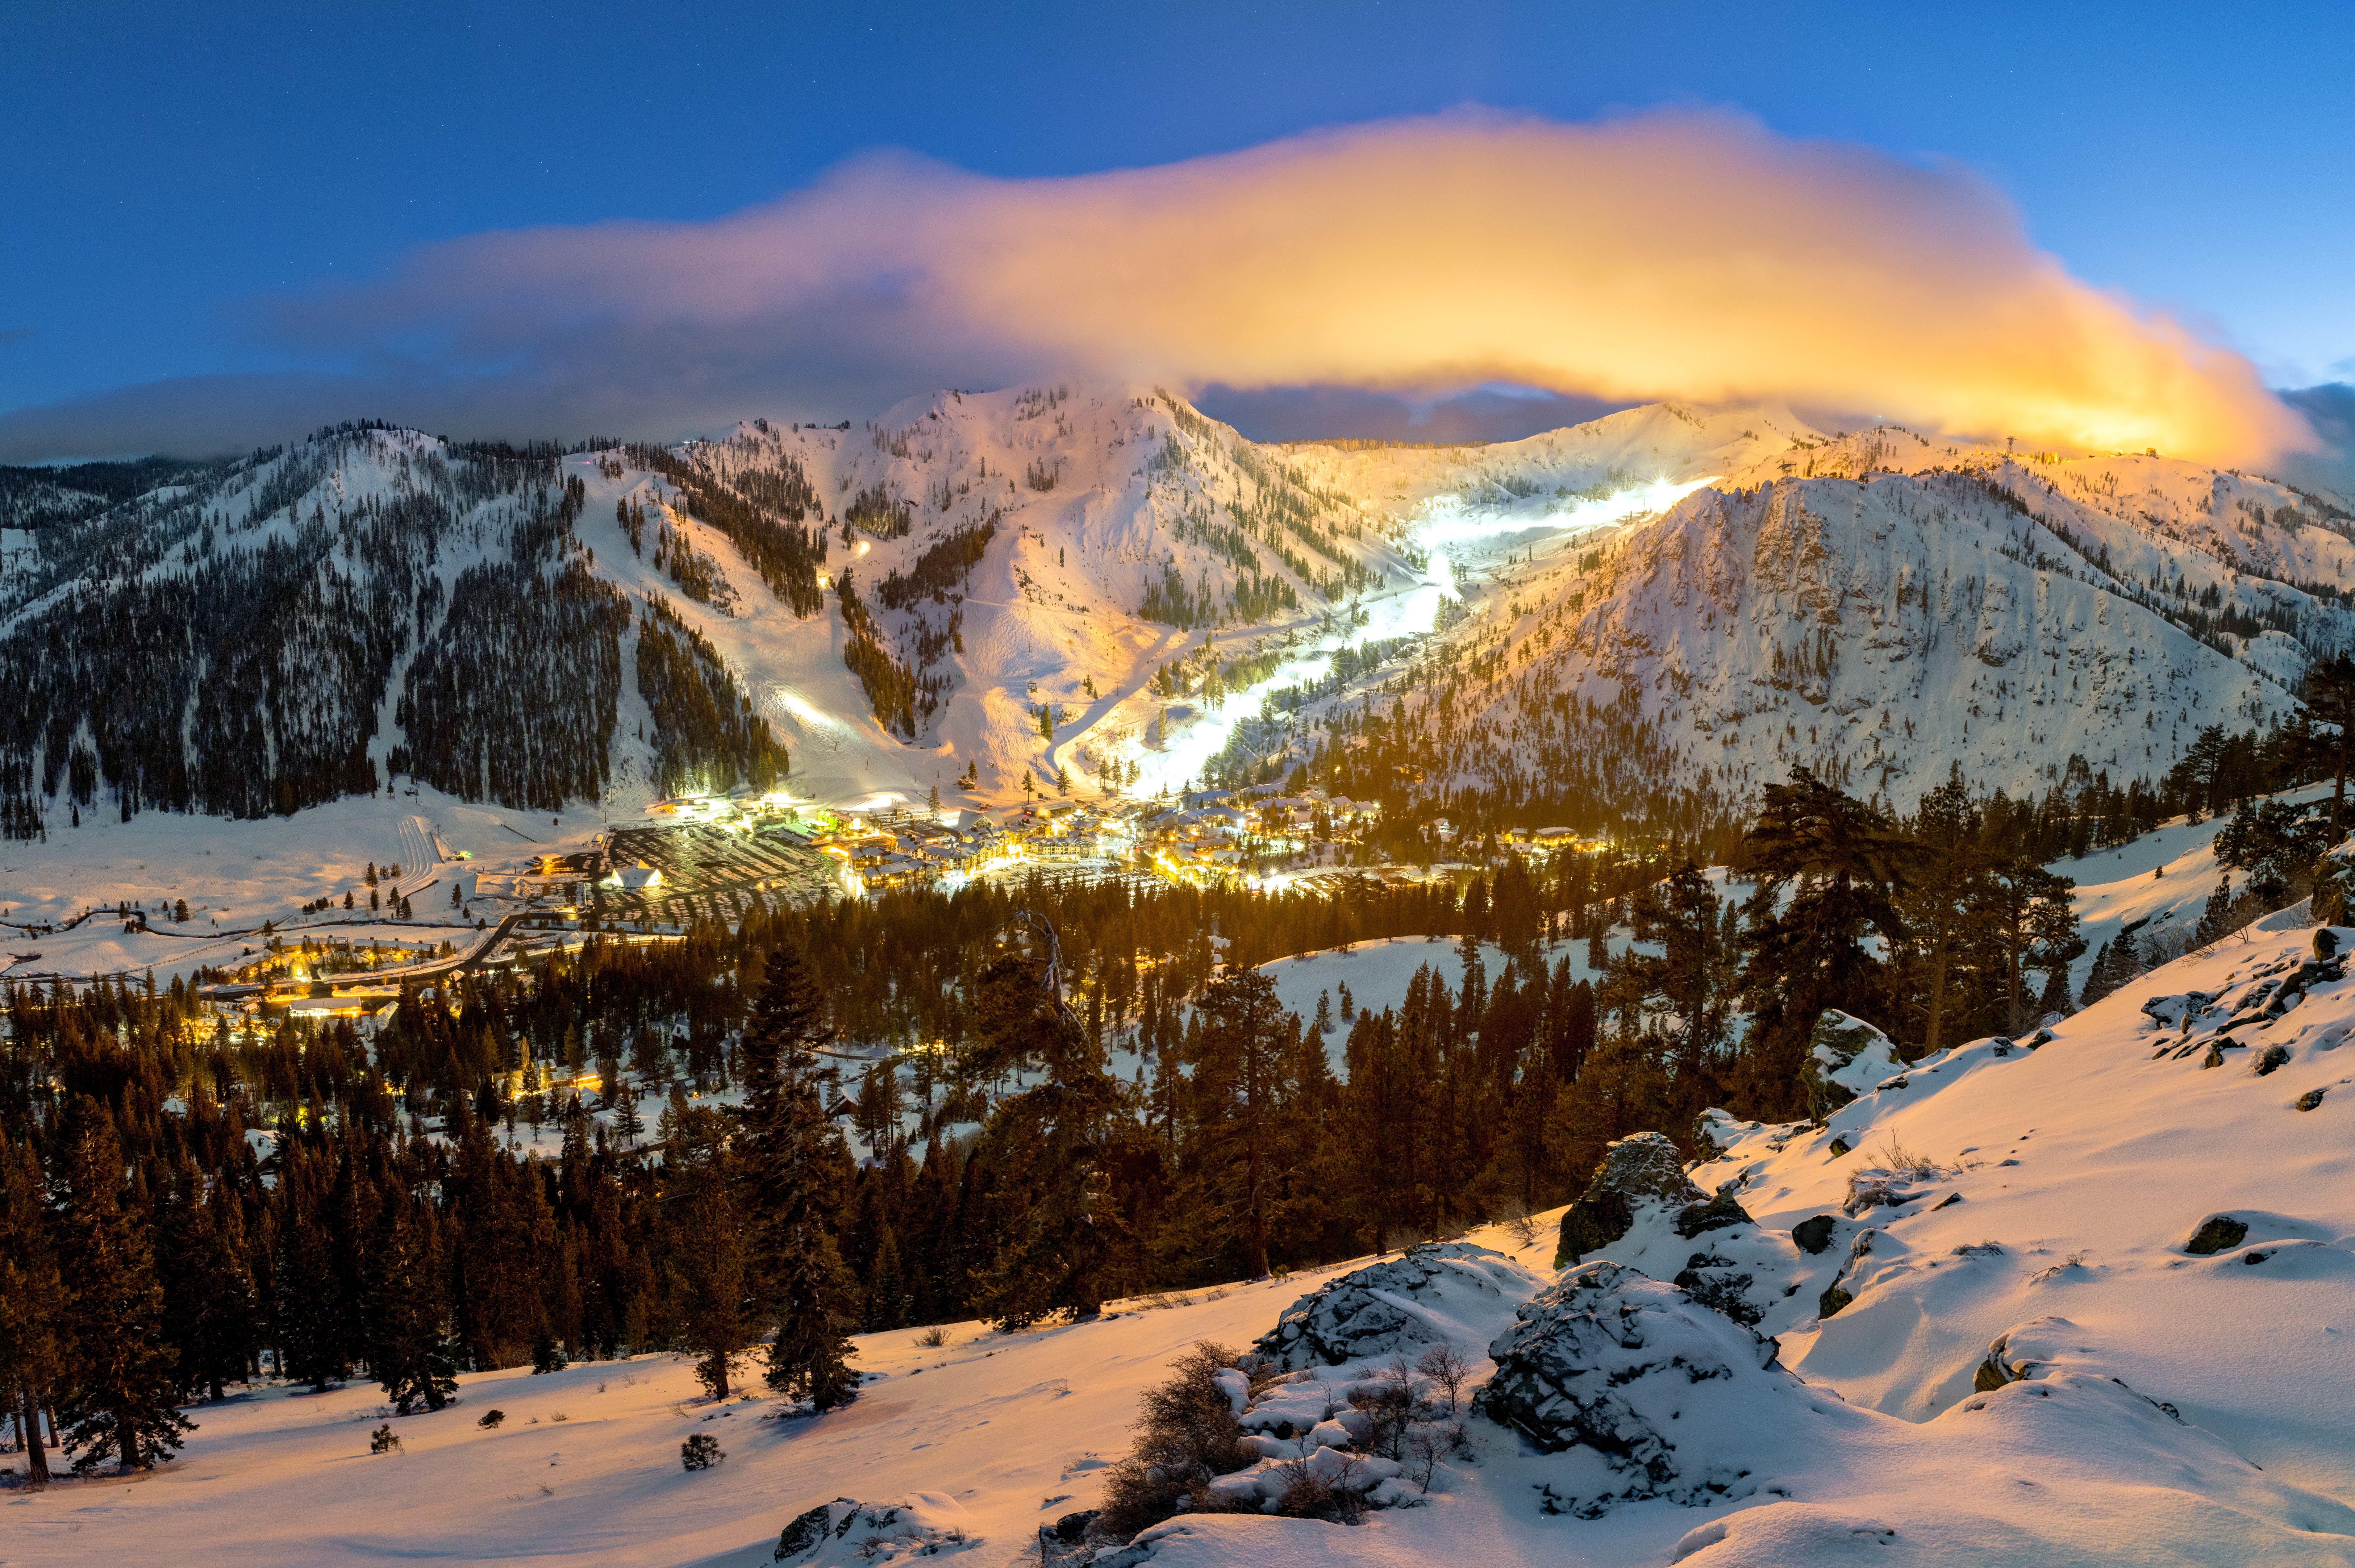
(700, 1452)
(1846, 1058)
(1387, 1308)
(1657, 1395)
(492, 1418)
(384, 1440)
(1186, 1436)
(847, 1533)
(1332, 1449)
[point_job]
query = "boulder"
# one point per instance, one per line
(1397, 1305)
(2217, 1233)
(849, 1534)
(1846, 1057)
(1835, 1295)
(1663, 1391)
(1065, 1543)
(1719, 1283)
(1717, 1214)
(1641, 1171)
(1995, 1371)
(1813, 1236)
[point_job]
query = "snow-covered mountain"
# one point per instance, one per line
(1099, 580)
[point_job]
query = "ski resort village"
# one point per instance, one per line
(846, 789)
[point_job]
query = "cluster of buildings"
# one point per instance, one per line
(1208, 833)
(1202, 836)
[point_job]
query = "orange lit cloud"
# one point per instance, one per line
(1685, 254)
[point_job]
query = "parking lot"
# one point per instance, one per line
(714, 872)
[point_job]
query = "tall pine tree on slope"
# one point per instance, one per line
(715, 1274)
(409, 1345)
(34, 1346)
(796, 1163)
(120, 1400)
(209, 1298)
(1239, 1055)
(1056, 1228)
(310, 1316)
(1846, 864)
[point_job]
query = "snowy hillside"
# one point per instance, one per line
(2103, 1275)
(1881, 607)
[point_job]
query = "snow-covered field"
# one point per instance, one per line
(236, 875)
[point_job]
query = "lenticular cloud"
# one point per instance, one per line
(1669, 254)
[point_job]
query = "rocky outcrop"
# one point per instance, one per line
(1722, 1284)
(1719, 1213)
(1846, 1058)
(1659, 1388)
(1996, 1370)
(849, 1534)
(1836, 1295)
(1376, 1312)
(1639, 1172)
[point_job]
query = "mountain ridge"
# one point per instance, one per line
(1882, 605)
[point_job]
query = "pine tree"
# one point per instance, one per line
(2331, 702)
(207, 1290)
(34, 1300)
(629, 1123)
(1055, 1228)
(409, 1346)
(711, 1251)
(796, 1160)
(1236, 1058)
(1846, 865)
(2101, 978)
(2216, 920)
(309, 1313)
(118, 1392)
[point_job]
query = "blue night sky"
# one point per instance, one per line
(170, 165)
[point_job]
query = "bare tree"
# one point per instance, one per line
(1428, 1442)
(1446, 1367)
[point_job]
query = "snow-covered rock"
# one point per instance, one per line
(847, 1533)
(1668, 1398)
(1437, 1293)
(1846, 1057)
(1639, 1175)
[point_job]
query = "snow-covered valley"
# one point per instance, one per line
(2153, 1399)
